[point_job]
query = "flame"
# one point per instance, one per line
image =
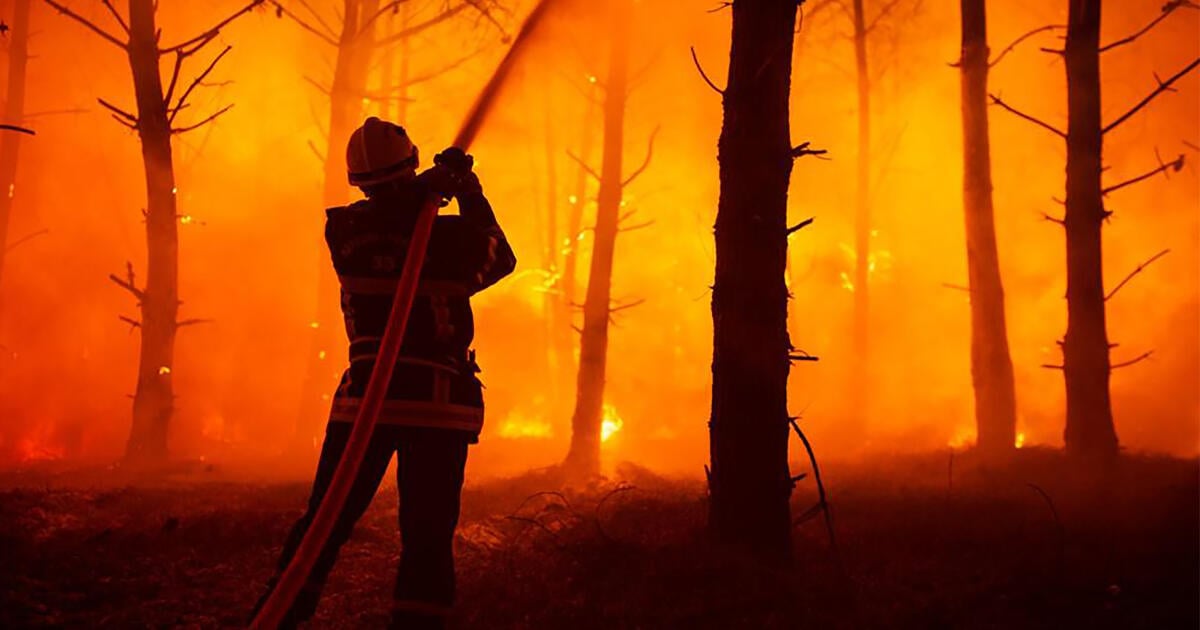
(878, 261)
(1020, 442)
(31, 451)
(164, 370)
(612, 423)
(518, 425)
(963, 436)
(186, 219)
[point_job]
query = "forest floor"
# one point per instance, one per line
(922, 542)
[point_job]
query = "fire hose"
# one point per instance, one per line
(292, 580)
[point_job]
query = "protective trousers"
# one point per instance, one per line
(429, 478)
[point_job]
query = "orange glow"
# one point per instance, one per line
(250, 193)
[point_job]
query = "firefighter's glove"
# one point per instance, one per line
(458, 164)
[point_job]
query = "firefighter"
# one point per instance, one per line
(434, 404)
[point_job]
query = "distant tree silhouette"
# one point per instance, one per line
(154, 120)
(583, 458)
(991, 365)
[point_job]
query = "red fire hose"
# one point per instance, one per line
(298, 570)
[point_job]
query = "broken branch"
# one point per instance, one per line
(1175, 165)
(801, 225)
(1163, 86)
(1139, 359)
(646, 162)
(84, 21)
(1135, 272)
(996, 101)
(805, 149)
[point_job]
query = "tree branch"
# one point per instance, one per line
(188, 92)
(805, 149)
(194, 44)
(1134, 273)
(1017, 41)
(583, 165)
(18, 129)
(133, 323)
(178, 130)
(887, 8)
(646, 162)
(281, 11)
(84, 21)
(25, 239)
(1139, 359)
(704, 75)
(1163, 168)
(1162, 87)
(117, 111)
(128, 283)
(116, 15)
(192, 322)
(801, 225)
(996, 101)
(1167, 9)
(427, 24)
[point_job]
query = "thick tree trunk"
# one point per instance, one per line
(583, 459)
(14, 114)
(153, 402)
(748, 430)
(991, 365)
(1090, 431)
(327, 344)
(860, 363)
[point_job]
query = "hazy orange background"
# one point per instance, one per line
(253, 187)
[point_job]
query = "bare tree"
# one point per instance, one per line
(583, 458)
(1090, 431)
(14, 113)
(749, 480)
(155, 123)
(991, 365)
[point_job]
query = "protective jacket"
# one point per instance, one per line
(435, 383)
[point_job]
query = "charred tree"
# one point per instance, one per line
(1090, 432)
(748, 429)
(583, 458)
(14, 113)
(1090, 429)
(991, 365)
(154, 121)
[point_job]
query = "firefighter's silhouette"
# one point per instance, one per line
(434, 404)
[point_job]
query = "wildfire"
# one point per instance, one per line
(963, 436)
(612, 423)
(877, 261)
(1020, 441)
(31, 451)
(517, 425)
(164, 370)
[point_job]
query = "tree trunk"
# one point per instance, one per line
(579, 203)
(748, 430)
(153, 402)
(1090, 431)
(860, 363)
(14, 114)
(327, 347)
(583, 459)
(991, 365)
(552, 298)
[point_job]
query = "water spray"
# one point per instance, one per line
(283, 596)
